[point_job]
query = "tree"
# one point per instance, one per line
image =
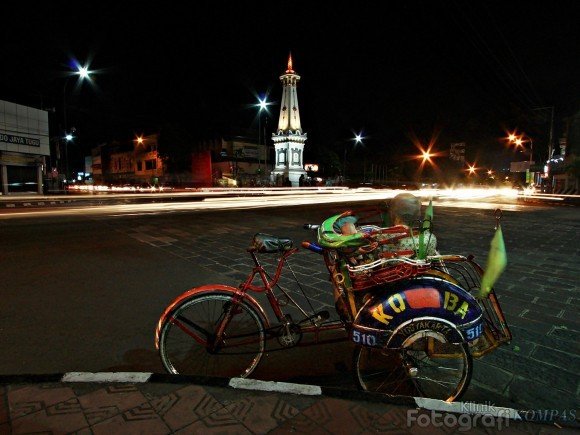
(330, 164)
(573, 168)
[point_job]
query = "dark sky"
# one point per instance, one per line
(455, 70)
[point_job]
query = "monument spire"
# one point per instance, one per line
(289, 139)
(289, 119)
(289, 70)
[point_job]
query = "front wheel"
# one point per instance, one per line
(189, 342)
(426, 364)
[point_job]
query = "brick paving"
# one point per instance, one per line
(179, 408)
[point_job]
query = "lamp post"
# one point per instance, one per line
(83, 73)
(262, 104)
(67, 138)
(357, 139)
(551, 134)
(520, 142)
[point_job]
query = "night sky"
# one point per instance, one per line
(451, 71)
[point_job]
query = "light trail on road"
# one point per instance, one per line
(506, 199)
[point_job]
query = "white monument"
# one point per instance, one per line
(289, 138)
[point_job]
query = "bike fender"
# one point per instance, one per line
(423, 297)
(211, 288)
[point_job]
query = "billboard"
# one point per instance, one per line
(519, 166)
(457, 152)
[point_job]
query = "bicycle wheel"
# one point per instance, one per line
(187, 342)
(426, 364)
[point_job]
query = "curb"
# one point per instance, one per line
(35, 203)
(544, 416)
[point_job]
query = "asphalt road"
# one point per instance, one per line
(83, 293)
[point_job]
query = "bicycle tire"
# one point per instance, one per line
(237, 355)
(409, 370)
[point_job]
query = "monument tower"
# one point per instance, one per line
(289, 139)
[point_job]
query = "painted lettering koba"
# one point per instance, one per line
(424, 303)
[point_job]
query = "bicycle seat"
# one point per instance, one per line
(268, 244)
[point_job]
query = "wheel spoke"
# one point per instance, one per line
(443, 373)
(188, 346)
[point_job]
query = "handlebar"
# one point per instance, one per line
(312, 246)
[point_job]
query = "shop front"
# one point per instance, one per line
(24, 146)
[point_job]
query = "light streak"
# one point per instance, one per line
(223, 199)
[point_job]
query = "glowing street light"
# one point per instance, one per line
(262, 104)
(426, 155)
(83, 72)
(519, 142)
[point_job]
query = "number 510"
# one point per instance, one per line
(364, 339)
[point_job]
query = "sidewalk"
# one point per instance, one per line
(132, 403)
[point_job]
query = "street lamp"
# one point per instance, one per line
(357, 139)
(83, 73)
(519, 142)
(262, 104)
(67, 138)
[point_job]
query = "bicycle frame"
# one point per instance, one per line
(241, 293)
(268, 287)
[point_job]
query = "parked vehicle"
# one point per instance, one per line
(417, 323)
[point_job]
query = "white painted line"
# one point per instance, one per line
(106, 377)
(281, 387)
(467, 408)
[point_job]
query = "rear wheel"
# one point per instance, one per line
(426, 364)
(188, 343)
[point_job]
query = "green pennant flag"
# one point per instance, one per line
(496, 263)
(427, 221)
(429, 211)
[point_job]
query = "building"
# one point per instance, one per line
(240, 162)
(128, 163)
(289, 139)
(24, 147)
(565, 179)
(148, 165)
